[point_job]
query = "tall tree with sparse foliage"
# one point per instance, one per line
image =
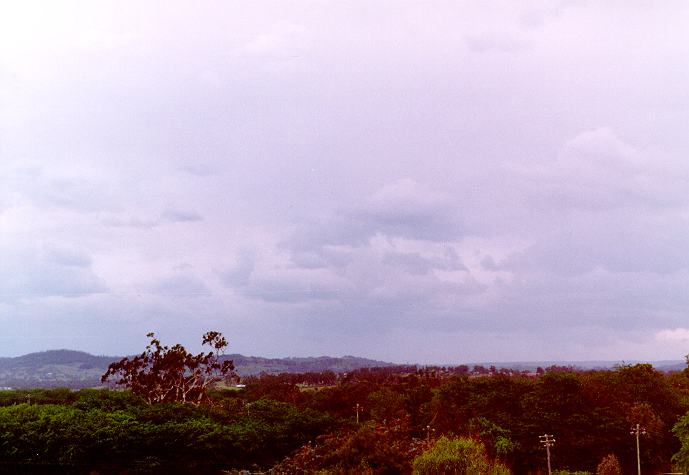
(172, 374)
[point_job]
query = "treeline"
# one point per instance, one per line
(590, 414)
(394, 374)
(303, 425)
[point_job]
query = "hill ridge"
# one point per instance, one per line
(78, 369)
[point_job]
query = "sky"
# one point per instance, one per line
(411, 181)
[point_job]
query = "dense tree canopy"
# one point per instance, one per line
(310, 423)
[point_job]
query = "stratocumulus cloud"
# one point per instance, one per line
(440, 183)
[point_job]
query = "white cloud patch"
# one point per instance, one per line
(676, 334)
(597, 170)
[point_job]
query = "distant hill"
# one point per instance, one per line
(251, 365)
(55, 368)
(77, 369)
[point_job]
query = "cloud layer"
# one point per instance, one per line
(441, 184)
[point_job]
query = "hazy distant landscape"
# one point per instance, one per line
(77, 369)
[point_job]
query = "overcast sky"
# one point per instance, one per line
(430, 182)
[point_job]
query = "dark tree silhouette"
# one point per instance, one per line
(171, 374)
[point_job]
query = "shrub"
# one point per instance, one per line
(457, 455)
(609, 465)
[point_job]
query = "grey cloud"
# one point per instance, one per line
(308, 260)
(427, 290)
(336, 257)
(287, 292)
(500, 42)
(537, 16)
(354, 276)
(174, 215)
(131, 222)
(627, 244)
(597, 170)
(240, 273)
(488, 263)
(181, 286)
(415, 263)
(71, 191)
(400, 209)
(182, 267)
(25, 275)
(407, 209)
(169, 215)
(291, 285)
(600, 299)
(69, 257)
(320, 257)
(335, 260)
(385, 303)
(200, 170)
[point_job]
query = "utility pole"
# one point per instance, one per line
(548, 441)
(429, 429)
(636, 430)
(358, 409)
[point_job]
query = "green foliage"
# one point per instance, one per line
(456, 455)
(500, 469)
(386, 404)
(341, 400)
(61, 434)
(681, 458)
(493, 436)
(273, 387)
(115, 430)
